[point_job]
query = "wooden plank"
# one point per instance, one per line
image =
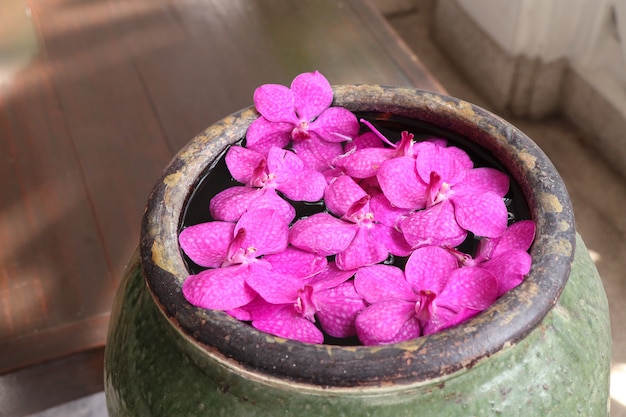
(119, 86)
(54, 269)
(116, 134)
(221, 51)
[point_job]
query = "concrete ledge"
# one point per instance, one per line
(528, 87)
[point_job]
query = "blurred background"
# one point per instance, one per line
(97, 95)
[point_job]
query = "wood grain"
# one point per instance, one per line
(115, 89)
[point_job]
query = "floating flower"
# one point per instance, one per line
(506, 257)
(258, 232)
(432, 294)
(357, 238)
(290, 305)
(302, 115)
(458, 199)
(282, 171)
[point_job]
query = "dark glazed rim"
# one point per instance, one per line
(510, 319)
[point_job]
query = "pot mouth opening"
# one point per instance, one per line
(508, 320)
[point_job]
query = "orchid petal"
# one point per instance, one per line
(276, 103)
(323, 234)
(483, 214)
(275, 288)
(266, 231)
(377, 283)
(509, 268)
(207, 243)
(229, 205)
(362, 251)
(365, 141)
(341, 194)
(335, 124)
(305, 185)
(429, 268)
(518, 236)
(364, 163)
(384, 212)
(381, 322)
(339, 307)
(434, 158)
(296, 262)
(242, 162)
(287, 323)
(312, 95)
(482, 180)
(263, 134)
(317, 154)
(446, 318)
(330, 277)
(400, 183)
(392, 239)
(283, 163)
(435, 225)
(219, 289)
(469, 287)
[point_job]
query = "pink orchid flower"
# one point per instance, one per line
(289, 307)
(357, 238)
(458, 199)
(506, 257)
(302, 115)
(282, 171)
(432, 294)
(234, 252)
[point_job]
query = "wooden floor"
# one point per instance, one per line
(111, 90)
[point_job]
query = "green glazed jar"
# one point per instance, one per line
(542, 349)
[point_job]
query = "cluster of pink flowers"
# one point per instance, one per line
(330, 273)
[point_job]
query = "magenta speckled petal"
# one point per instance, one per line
(219, 289)
(317, 154)
(362, 251)
(336, 124)
(287, 323)
(518, 236)
(433, 226)
(341, 194)
(364, 141)
(283, 163)
(323, 234)
(207, 243)
(305, 185)
(400, 183)
(276, 288)
(266, 231)
(379, 283)
(339, 307)
(242, 162)
(509, 268)
(429, 268)
(312, 95)
(276, 103)
(364, 163)
(469, 287)
(483, 214)
(434, 158)
(229, 205)
(296, 262)
(392, 239)
(263, 134)
(483, 180)
(380, 323)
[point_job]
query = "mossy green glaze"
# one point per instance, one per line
(541, 349)
(559, 369)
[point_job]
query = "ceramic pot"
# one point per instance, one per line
(541, 349)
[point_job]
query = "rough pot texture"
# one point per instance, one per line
(542, 349)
